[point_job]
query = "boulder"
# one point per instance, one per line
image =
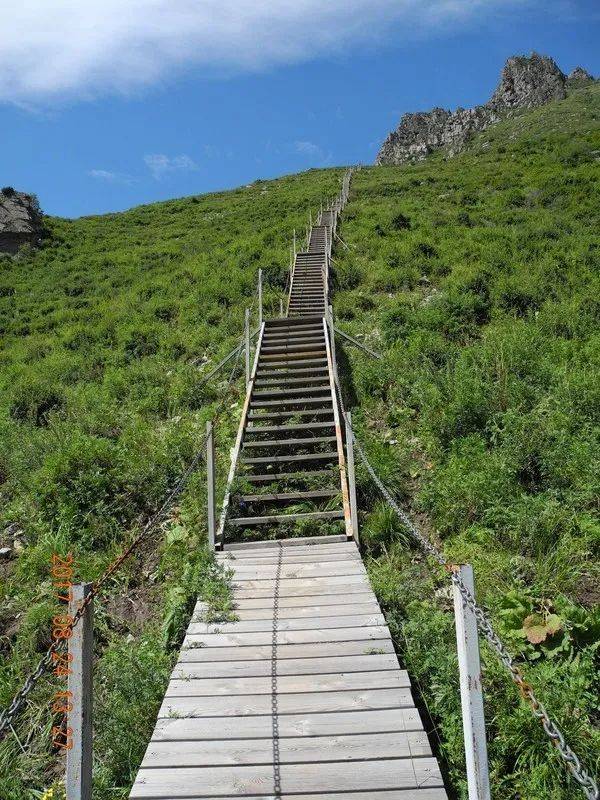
(20, 220)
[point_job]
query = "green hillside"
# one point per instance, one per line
(476, 277)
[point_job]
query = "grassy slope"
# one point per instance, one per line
(100, 409)
(479, 278)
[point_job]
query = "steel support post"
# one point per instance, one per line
(471, 693)
(260, 298)
(78, 779)
(247, 341)
(210, 484)
(351, 477)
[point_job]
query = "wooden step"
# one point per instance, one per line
(311, 391)
(304, 381)
(283, 415)
(317, 494)
(302, 457)
(291, 401)
(291, 442)
(300, 475)
(294, 364)
(282, 519)
(308, 426)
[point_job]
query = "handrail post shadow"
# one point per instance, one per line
(471, 692)
(78, 778)
(210, 483)
(351, 478)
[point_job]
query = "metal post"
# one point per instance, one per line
(260, 302)
(351, 477)
(247, 338)
(78, 779)
(294, 242)
(471, 694)
(310, 218)
(210, 483)
(281, 306)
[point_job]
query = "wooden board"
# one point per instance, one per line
(293, 749)
(297, 612)
(323, 669)
(309, 777)
(373, 632)
(287, 684)
(288, 666)
(327, 724)
(283, 624)
(358, 647)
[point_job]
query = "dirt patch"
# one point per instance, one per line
(131, 611)
(588, 591)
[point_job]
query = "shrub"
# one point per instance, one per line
(34, 398)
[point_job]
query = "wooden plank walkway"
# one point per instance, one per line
(301, 697)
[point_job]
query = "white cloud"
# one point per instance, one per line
(110, 177)
(57, 49)
(160, 165)
(308, 148)
(313, 153)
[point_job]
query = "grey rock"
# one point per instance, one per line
(525, 82)
(20, 220)
(6, 553)
(579, 77)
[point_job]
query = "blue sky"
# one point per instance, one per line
(112, 103)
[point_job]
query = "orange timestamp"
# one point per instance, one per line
(62, 572)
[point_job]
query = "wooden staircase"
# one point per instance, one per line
(288, 472)
(301, 696)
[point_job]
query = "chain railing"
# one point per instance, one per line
(572, 762)
(484, 623)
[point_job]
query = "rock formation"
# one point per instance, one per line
(579, 77)
(526, 82)
(20, 220)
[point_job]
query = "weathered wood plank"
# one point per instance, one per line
(318, 600)
(357, 647)
(298, 612)
(374, 632)
(292, 750)
(331, 585)
(315, 702)
(300, 541)
(323, 777)
(290, 558)
(290, 666)
(288, 552)
(258, 727)
(287, 684)
(296, 571)
(301, 624)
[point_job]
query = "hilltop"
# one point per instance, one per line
(477, 278)
(526, 82)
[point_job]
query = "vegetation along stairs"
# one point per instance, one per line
(301, 695)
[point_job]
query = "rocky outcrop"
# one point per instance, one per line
(525, 82)
(20, 220)
(579, 77)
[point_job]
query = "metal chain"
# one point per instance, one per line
(8, 715)
(583, 778)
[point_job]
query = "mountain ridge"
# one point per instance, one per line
(525, 82)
